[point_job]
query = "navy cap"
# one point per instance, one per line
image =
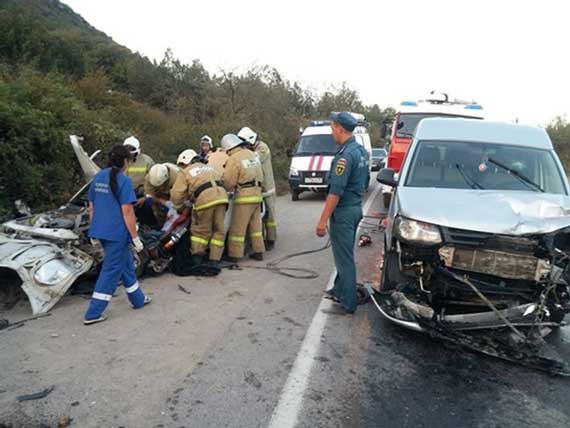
(344, 119)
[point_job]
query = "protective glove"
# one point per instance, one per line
(94, 241)
(138, 245)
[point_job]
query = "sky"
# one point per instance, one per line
(510, 56)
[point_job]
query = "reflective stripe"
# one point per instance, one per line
(101, 296)
(136, 169)
(217, 242)
(248, 199)
(272, 223)
(211, 204)
(236, 238)
(256, 234)
(132, 288)
(199, 240)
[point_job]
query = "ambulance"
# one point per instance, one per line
(407, 118)
(312, 156)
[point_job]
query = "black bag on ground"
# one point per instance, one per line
(182, 264)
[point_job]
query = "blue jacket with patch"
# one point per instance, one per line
(350, 173)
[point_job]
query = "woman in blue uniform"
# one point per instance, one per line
(113, 223)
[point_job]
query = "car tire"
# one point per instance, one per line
(294, 195)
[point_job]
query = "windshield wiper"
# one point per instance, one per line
(468, 180)
(517, 174)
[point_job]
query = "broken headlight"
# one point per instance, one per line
(53, 272)
(417, 231)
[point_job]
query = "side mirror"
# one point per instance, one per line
(386, 176)
(289, 153)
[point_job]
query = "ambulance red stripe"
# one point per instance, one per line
(320, 163)
(311, 163)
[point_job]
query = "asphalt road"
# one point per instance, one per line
(253, 349)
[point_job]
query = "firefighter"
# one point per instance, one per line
(243, 176)
(137, 171)
(267, 186)
(202, 184)
(157, 185)
(206, 148)
(348, 180)
(139, 167)
(111, 198)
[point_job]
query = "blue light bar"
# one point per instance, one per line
(409, 103)
(319, 122)
(473, 107)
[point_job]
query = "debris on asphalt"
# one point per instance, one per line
(35, 395)
(17, 324)
(250, 378)
(54, 335)
(364, 240)
(64, 421)
(184, 290)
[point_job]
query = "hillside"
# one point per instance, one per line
(59, 75)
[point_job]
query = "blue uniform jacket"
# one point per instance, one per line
(350, 173)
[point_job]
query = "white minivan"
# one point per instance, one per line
(312, 156)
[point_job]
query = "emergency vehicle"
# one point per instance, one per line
(409, 115)
(312, 156)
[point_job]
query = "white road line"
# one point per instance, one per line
(290, 402)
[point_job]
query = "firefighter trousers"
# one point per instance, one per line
(207, 229)
(245, 223)
(269, 221)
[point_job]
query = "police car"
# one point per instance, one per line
(312, 156)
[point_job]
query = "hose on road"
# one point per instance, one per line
(291, 272)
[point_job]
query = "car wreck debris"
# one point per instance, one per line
(36, 395)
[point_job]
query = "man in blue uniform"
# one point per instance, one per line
(348, 180)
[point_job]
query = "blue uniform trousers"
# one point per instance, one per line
(343, 225)
(118, 265)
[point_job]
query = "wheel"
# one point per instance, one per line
(294, 195)
(140, 260)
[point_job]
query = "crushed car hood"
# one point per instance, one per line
(512, 212)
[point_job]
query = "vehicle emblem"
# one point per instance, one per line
(313, 174)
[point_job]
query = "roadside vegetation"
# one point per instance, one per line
(60, 76)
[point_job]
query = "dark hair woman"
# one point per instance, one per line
(113, 223)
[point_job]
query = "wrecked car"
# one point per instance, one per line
(44, 254)
(478, 236)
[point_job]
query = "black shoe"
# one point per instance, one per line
(229, 259)
(256, 256)
(269, 245)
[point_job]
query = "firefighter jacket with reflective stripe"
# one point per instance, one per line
(138, 170)
(243, 175)
(194, 177)
(264, 153)
(162, 191)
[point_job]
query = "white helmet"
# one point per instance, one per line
(230, 141)
(158, 174)
(247, 135)
(186, 157)
(135, 145)
(206, 140)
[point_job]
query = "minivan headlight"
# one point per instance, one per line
(417, 231)
(293, 172)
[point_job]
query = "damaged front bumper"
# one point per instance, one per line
(496, 294)
(46, 271)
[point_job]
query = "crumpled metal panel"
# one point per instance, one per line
(501, 212)
(46, 270)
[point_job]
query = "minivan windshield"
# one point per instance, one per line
(322, 144)
(484, 166)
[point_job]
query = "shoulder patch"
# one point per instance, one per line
(340, 166)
